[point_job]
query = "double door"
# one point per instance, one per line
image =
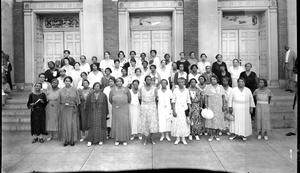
(144, 41)
(242, 45)
(56, 42)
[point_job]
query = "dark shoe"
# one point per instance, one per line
(35, 140)
(41, 140)
(66, 143)
(288, 90)
(72, 143)
(292, 91)
(290, 134)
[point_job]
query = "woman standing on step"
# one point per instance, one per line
(52, 108)
(37, 102)
(97, 111)
(68, 122)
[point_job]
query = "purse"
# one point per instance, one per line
(229, 117)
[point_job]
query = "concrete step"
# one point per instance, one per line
(16, 119)
(282, 103)
(282, 116)
(16, 112)
(18, 106)
(281, 109)
(17, 101)
(276, 123)
(16, 127)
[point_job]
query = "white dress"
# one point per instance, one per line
(68, 69)
(75, 74)
(127, 80)
(86, 67)
(164, 110)
(146, 72)
(116, 72)
(164, 73)
(191, 76)
(106, 91)
(227, 94)
(106, 64)
(93, 78)
(79, 85)
(131, 71)
(134, 112)
(235, 74)
(201, 66)
(180, 128)
(140, 78)
(241, 103)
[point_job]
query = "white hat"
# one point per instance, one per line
(207, 113)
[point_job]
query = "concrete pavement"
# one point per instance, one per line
(19, 155)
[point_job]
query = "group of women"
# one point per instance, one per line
(127, 98)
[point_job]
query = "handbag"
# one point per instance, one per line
(229, 116)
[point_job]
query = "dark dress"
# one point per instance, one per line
(49, 75)
(227, 74)
(72, 61)
(186, 65)
(68, 117)
(38, 114)
(7, 74)
(251, 80)
(105, 81)
(97, 64)
(216, 68)
(83, 116)
(197, 126)
(97, 111)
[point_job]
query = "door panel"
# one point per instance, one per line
(230, 46)
(39, 53)
(263, 47)
(141, 42)
(53, 47)
(161, 42)
(72, 43)
(248, 44)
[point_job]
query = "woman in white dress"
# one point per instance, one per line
(173, 71)
(164, 97)
(194, 73)
(116, 70)
(145, 69)
(235, 72)
(203, 63)
(75, 74)
(154, 76)
(134, 109)
(179, 74)
(180, 103)
(84, 65)
(67, 66)
(138, 76)
(95, 75)
(106, 62)
(168, 61)
(106, 91)
(241, 104)
(122, 59)
(163, 71)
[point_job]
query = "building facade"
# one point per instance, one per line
(37, 31)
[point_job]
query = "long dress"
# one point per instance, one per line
(180, 128)
(241, 101)
(196, 118)
(164, 110)
(52, 110)
(134, 112)
(262, 111)
(97, 111)
(215, 104)
(106, 91)
(68, 122)
(216, 68)
(83, 116)
(120, 128)
(251, 81)
(228, 91)
(37, 116)
(148, 122)
(235, 74)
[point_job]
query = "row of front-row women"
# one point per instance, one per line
(125, 114)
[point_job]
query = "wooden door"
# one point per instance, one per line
(72, 43)
(39, 47)
(248, 48)
(230, 46)
(53, 46)
(161, 42)
(141, 42)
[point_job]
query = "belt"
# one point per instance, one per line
(262, 102)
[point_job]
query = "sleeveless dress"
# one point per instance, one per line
(134, 112)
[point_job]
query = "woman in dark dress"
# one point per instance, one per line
(183, 61)
(68, 123)
(250, 77)
(37, 103)
(105, 78)
(52, 72)
(7, 69)
(216, 65)
(83, 94)
(224, 74)
(97, 111)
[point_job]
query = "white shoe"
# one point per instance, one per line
(49, 139)
(228, 133)
(190, 137)
(131, 138)
(140, 137)
(184, 142)
(89, 144)
(259, 137)
(161, 138)
(220, 133)
(205, 133)
(197, 137)
(100, 143)
(168, 138)
(81, 140)
(232, 137)
(244, 138)
(177, 141)
(210, 139)
(266, 138)
(124, 143)
(116, 143)
(217, 138)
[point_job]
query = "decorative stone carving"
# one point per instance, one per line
(56, 5)
(151, 21)
(67, 22)
(240, 20)
(151, 4)
(224, 4)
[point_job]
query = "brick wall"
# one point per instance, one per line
(282, 34)
(190, 26)
(110, 27)
(18, 25)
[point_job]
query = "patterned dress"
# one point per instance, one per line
(97, 109)
(148, 122)
(52, 110)
(227, 94)
(180, 128)
(164, 109)
(196, 118)
(215, 104)
(37, 116)
(83, 116)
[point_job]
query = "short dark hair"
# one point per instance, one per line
(39, 84)
(83, 56)
(77, 63)
(145, 62)
(120, 53)
(248, 63)
(85, 80)
(108, 69)
(153, 66)
(97, 83)
(193, 79)
(94, 57)
(203, 54)
(215, 76)
(148, 76)
(113, 79)
(83, 73)
(191, 53)
(241, 79)
(51, 62)
(62, 69)
(218, 55)
(107, 52)
(68, 77)
(67, 51)
(194, 65)
(235, 60)
(143, 54)
(137, 69)
(164, 80)
(181, 53)
(202, 77)
(167, 55)
(136, 81)
(120, 79)
(153, 50)
(265, 82)
(132, 52)
(116, 60)
(54, 79)
(226, 78)
(41, 74)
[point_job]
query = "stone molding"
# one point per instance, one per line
(265, 3)
(150, 4)
(52, 5)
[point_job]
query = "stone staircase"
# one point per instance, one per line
(16, 116)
